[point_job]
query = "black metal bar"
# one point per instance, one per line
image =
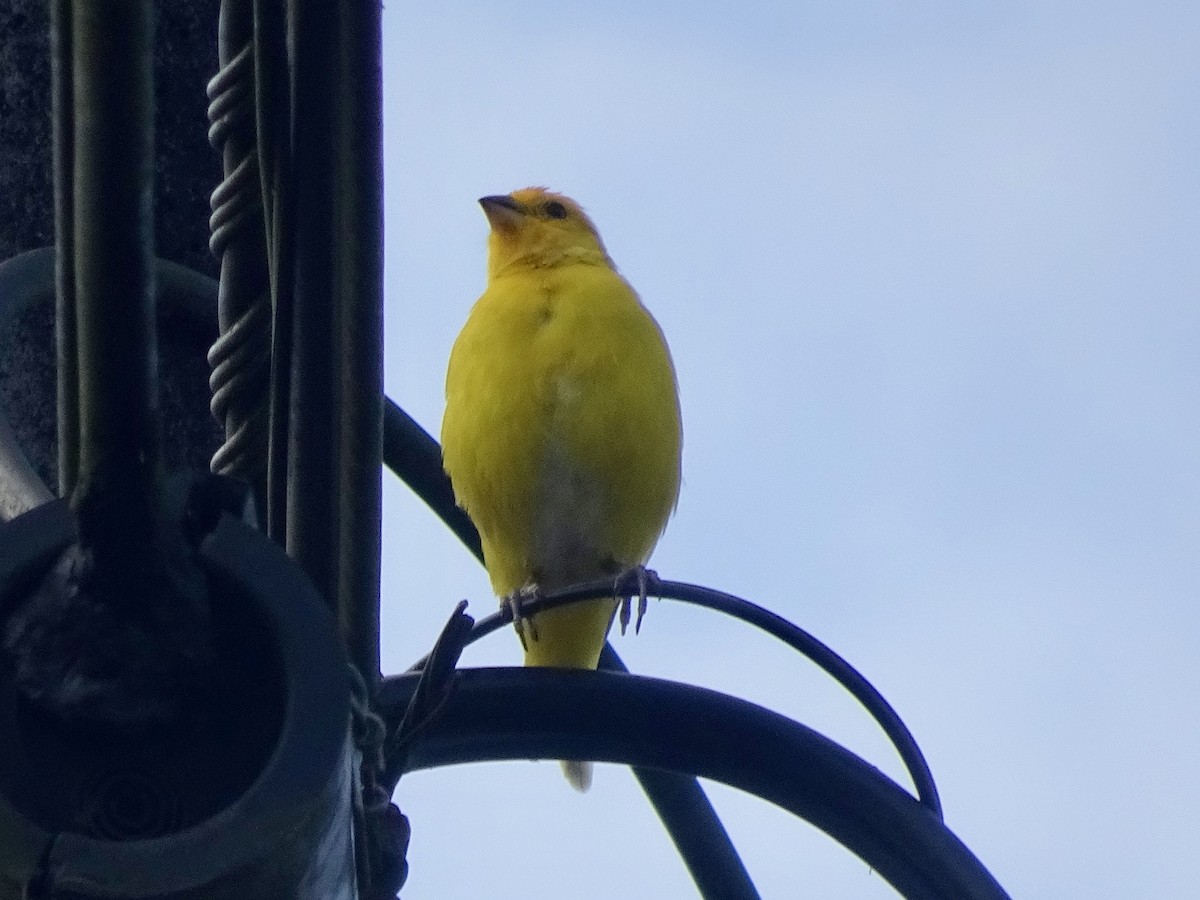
(705, 847)
(313, 416)
(335, 361)
(62, 110)
(416, 459)
(273, 112)
(834, 665)
(511, 714)
(358, 273)
(114, 272)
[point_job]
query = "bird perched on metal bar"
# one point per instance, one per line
(562, 434)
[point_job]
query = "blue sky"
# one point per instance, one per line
(929, 273)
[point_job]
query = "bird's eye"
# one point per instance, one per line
(556, 210)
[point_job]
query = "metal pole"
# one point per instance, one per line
(359, 249)
(335, 414)
(61, 90)
(119, 440)
(313, 420)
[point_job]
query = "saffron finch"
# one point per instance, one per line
(562, 432)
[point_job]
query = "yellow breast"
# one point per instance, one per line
(562, 428)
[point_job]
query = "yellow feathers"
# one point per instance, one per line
(562, 432)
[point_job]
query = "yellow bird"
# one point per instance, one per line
(562, 431)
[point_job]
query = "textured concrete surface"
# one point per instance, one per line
(26, 188)
(188, 168)
(187, 171)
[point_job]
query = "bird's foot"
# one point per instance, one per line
(515, 604)
(647, 580)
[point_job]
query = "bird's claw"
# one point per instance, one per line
(645, 578)
(515, 603)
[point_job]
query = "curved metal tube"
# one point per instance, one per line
(501, 714)
(778, 627)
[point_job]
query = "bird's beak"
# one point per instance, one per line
(502, 211)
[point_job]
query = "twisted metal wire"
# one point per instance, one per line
(241, 357)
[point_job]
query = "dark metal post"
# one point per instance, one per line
(312, 502)
(359, 240)
(335, 414)
(119, 439)
(62, 89)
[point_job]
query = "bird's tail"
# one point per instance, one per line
(579, 773)
(570, 637)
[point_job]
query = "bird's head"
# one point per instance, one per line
(535, 227)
